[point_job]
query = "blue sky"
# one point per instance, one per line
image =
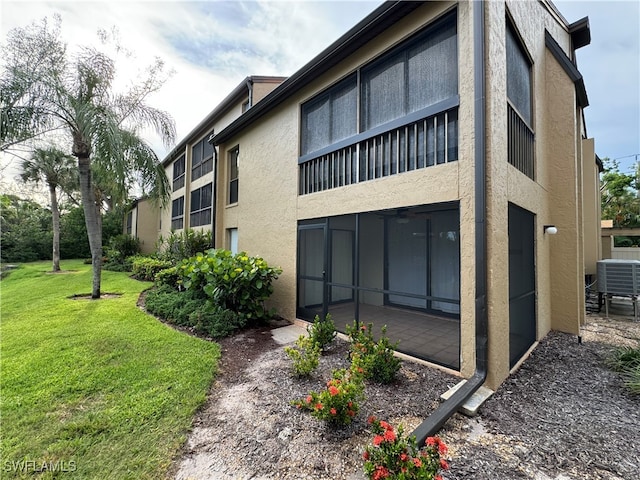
(212, 45)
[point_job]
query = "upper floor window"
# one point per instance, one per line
(201, 206)
(177, 213)
(331, 116)
(414, 77)
(519, 105)
(201, 159)
(233, 175)
(397, 113)
(178, 173)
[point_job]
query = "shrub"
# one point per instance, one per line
(392, 455)
(169, 276)
(626, 360)
(375, 359)
(338, 403)
(119, 253)
(322, 332)
(179, 246)
(189, 309)
(305, 355)
(215, 321)
(234, 282)
(146, 268)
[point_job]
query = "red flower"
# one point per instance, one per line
(380, 473)
(333, 391)
(404, 457)
(309, 398)
(351, 413)
(437, 477)
(333, 411)
(363, 328)
(417, 462)
(349, 404)
(377, 440)
(371, 419)
(442, 448)
(432, 441)
(389, 436)
(318, 406)
(385, 425)
(443, 464)
(365, 455)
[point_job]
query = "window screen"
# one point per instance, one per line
(518, 76)
(330, 117)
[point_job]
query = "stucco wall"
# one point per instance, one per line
(146, 225)
(592, 211)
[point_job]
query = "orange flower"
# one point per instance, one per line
(377, 440)
(404, 457)
(385, 425)
(371, 419)
(318, 406)
(333, 411)
(309, 398)
(389, 436)
(417, 462)
(333, 390)
(437, 477)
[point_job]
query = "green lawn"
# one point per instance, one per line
(93, 389)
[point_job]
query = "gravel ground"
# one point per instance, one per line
(562, 415)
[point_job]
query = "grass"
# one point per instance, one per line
(626, 361)
(96, 388)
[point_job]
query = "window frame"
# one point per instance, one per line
(233, 182)
(179, 179)
(511, 29)
(205, 164)
(175, 218)
(197, 211)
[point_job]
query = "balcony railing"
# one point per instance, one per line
(521, 143)
(429, 141)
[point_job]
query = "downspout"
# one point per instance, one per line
(445, 410)
(250, 90)
(214, 190)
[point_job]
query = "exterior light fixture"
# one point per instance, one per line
(550, 229)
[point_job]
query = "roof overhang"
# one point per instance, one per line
(375, 23)
(580, 33)
(236, 95)
(568, 66)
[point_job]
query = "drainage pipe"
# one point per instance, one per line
(445, 410)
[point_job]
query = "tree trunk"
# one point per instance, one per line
(92, 221)
(55, 213)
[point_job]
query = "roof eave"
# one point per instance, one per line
(377, 21)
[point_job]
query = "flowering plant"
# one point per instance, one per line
(338, 403)
(375, 359)
(395, 456)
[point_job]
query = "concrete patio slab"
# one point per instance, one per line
(288, 334)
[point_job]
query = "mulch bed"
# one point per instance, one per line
(563, 415)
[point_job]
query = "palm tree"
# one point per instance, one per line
(57, 169)
(76, 95)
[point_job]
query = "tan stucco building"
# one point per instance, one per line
(408, 175)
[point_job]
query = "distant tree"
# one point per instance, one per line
(619, 195)
(58, 170)
(43, 88)
(25, 230)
